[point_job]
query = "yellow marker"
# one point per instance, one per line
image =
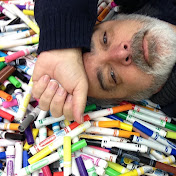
(139, 171)
(127, 160)
(28, 12)
(34, 133)
(171, 134)
(2, 87)
(22, 16)
(67, 155)
(117, 167)
(66, 122)
(2, 59)
(113, 123)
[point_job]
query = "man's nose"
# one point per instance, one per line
(121, 53)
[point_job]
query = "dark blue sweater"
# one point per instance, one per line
(69, 24)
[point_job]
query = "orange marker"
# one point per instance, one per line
(9, 126)
(127, 134)
(109, 111)
(112, 124)
(5, 96)
(104, 12)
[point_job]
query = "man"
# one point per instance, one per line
(131, 58)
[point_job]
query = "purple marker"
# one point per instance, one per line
(81, 166)
(29, 136)
(10, 160)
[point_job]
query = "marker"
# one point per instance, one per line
(19, 75)
(23, 17)
(111, 138)
(29, 118)
(139, 171)
(121, 145)
(151, 113)
(81, 166)
(108, 111)
(154, 135)
(158, 155)
(6, 115)
(14, 81)
(7, 13)
(90, 167)
(13, 136)
(165, 149)
(67, 155)
(47, 121)
(111, 172)
(96, 160)
(50, 159)
(151, 104)
(90, 107)
(18, 156)
(58, 142)
(12, 43)
(171, 135)
(152, 120)
(5, 96)
(27, 7)
(10, 160)
(117, 167)
(9, 126)
(111, 132)
(101, 7)
(26, 98)
(113, 124)
(38, 147)
(42, 114)
(75, 170)
(133, 119)
(8, 104)
(100, 154)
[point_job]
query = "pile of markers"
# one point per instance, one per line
(127, 139)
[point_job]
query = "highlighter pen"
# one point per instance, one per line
(152, 120)
(154, 135)
(133, 119)
(36, 148)
(25, 101)
(111, 132)
(21, 53)
(139, 171)
(100, 154)
(29, 118)
(67, 155)
(121, 145)
(47, 121)
(25, 41)
(108, 111)
(151, 113)
(50, 159)
(113, 124)
(156, 146)
(117, 167)
(98, 137)
(23, 17)
(58, 142)
(135, 156)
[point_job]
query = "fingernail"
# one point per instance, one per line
(52, 85)
(46, 78)
(69, 98)
(60, 91)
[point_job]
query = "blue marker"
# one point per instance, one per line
(154, 135)
(25, 158)
(2, 155)
(114, 117)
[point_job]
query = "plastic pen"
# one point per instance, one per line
(22, 16)
(154, 135)
(108, 111)
(113, 124)
(58, 142)
(152, 120)
(50, 159)
(121, 145)
(36, 148)
(157, 146)
(111, 132)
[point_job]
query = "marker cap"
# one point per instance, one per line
(81, 166)
(93, 142)
(173, 152)
(58, 174)
(100, 171)
(102, 163)
(86, 118)
(73, 125)
(2, 65)
(90, 108)
(2, 155)
(112, 172)
(170, 126)
(122, 115)
(78, 145)
(171, 135)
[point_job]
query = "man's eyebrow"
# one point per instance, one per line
(101, 80)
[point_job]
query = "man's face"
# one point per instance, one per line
(125, 59)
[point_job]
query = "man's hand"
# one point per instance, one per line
(66, 67)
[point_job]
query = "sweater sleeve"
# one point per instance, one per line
(65, 24)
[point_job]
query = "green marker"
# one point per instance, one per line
(90, 108)
(51, 158)
(14, 81)
(112, 172)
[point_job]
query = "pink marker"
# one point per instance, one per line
(99, 148)
(7, 104)
(21, 53)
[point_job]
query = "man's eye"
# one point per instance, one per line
(105, 38)
(113, 76)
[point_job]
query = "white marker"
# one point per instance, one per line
(10, 160)
(90, 167)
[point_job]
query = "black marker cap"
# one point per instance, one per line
(93, 142)
(21, 76)
(10, 88)
(15, 136)
(15, 21)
